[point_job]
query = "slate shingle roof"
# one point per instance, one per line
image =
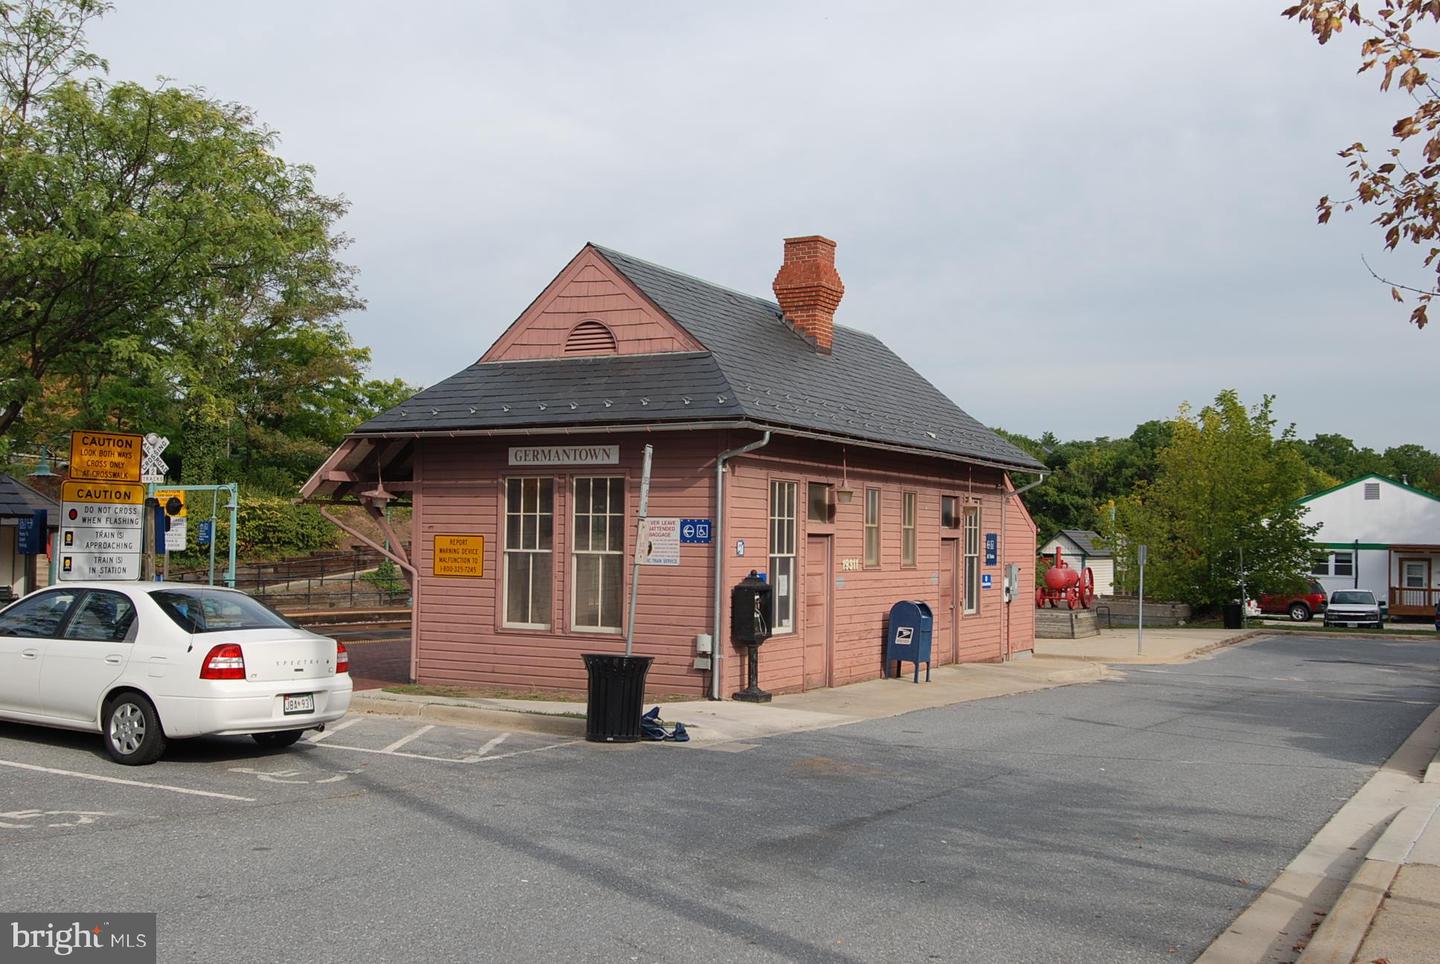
(1087, 541)
(757, 368)
(18, 500)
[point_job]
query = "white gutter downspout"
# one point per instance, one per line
(1005, 552)
(715, 636)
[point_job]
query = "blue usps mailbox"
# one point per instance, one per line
(907, 636)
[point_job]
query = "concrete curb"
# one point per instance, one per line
(378, 703)
(1374, 827)
(1345, 927)
(1340, 936)
(1417, 636)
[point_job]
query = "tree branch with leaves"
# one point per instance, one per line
(1404, 186)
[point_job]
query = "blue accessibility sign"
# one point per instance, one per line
(695, 530)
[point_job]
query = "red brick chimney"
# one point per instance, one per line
(809, 289)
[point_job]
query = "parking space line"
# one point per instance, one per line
(332, 730)
(485, 750)
(533, 749)
(412, 756)
(473, 758)
(406, 739)
(127, 783)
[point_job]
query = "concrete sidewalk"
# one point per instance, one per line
(1165, 645)
(727, 722)
(1390, 910)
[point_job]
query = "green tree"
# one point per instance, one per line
(1416, 465)
(152, 244)
(1224, 496)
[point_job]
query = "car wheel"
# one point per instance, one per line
(131, 730)
(277, 741)
(1299, 612)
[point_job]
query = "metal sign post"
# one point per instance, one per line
(639, 549)
(1143, 551)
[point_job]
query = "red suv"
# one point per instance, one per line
(1299, 606)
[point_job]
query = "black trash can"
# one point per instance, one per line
(1233, 613)
(616, 697)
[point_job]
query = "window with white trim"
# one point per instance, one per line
(597, 548)
(1334, 564)
(529, 537)
(972, 558)
(872, 527)
(782, 553)
(907, 529)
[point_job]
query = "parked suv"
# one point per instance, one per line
(1354, 607)
(1298, 606)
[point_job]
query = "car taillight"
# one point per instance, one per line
(342, 658)
(225, 661)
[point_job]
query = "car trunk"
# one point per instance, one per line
(283, 654)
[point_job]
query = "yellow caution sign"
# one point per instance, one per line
(459, 555)
(103, 493)
(105, 456)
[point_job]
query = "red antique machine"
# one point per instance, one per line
(1076, 587)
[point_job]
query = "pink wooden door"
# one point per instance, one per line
(817, 611)
(944, 642)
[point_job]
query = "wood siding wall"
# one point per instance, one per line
(863, 596)
(460, 639)
(589, 289)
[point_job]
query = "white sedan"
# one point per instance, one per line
(143, 662)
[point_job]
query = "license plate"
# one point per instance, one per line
(299, 703)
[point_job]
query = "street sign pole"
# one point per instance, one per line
(1140, 603)
(147, 539)
(639, 549)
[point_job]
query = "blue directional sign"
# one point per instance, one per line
(205, 533)
(992, 549)
(695, 530)
(30, 533)
(985, 581)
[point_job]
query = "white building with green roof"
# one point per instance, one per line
(1382, 535)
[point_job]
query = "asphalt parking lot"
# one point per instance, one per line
(1124, 820)
(57, 782)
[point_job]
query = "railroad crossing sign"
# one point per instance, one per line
(153, 468)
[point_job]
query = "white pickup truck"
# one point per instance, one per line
(1354, 607)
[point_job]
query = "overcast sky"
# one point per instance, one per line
(1069, 217)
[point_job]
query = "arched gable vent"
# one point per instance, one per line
(590, 337)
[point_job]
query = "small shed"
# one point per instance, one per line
(21, 574)
(1081, 548)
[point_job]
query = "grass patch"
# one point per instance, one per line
(504, 693)
(481, 693)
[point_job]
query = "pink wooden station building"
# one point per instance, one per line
(783, 443)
